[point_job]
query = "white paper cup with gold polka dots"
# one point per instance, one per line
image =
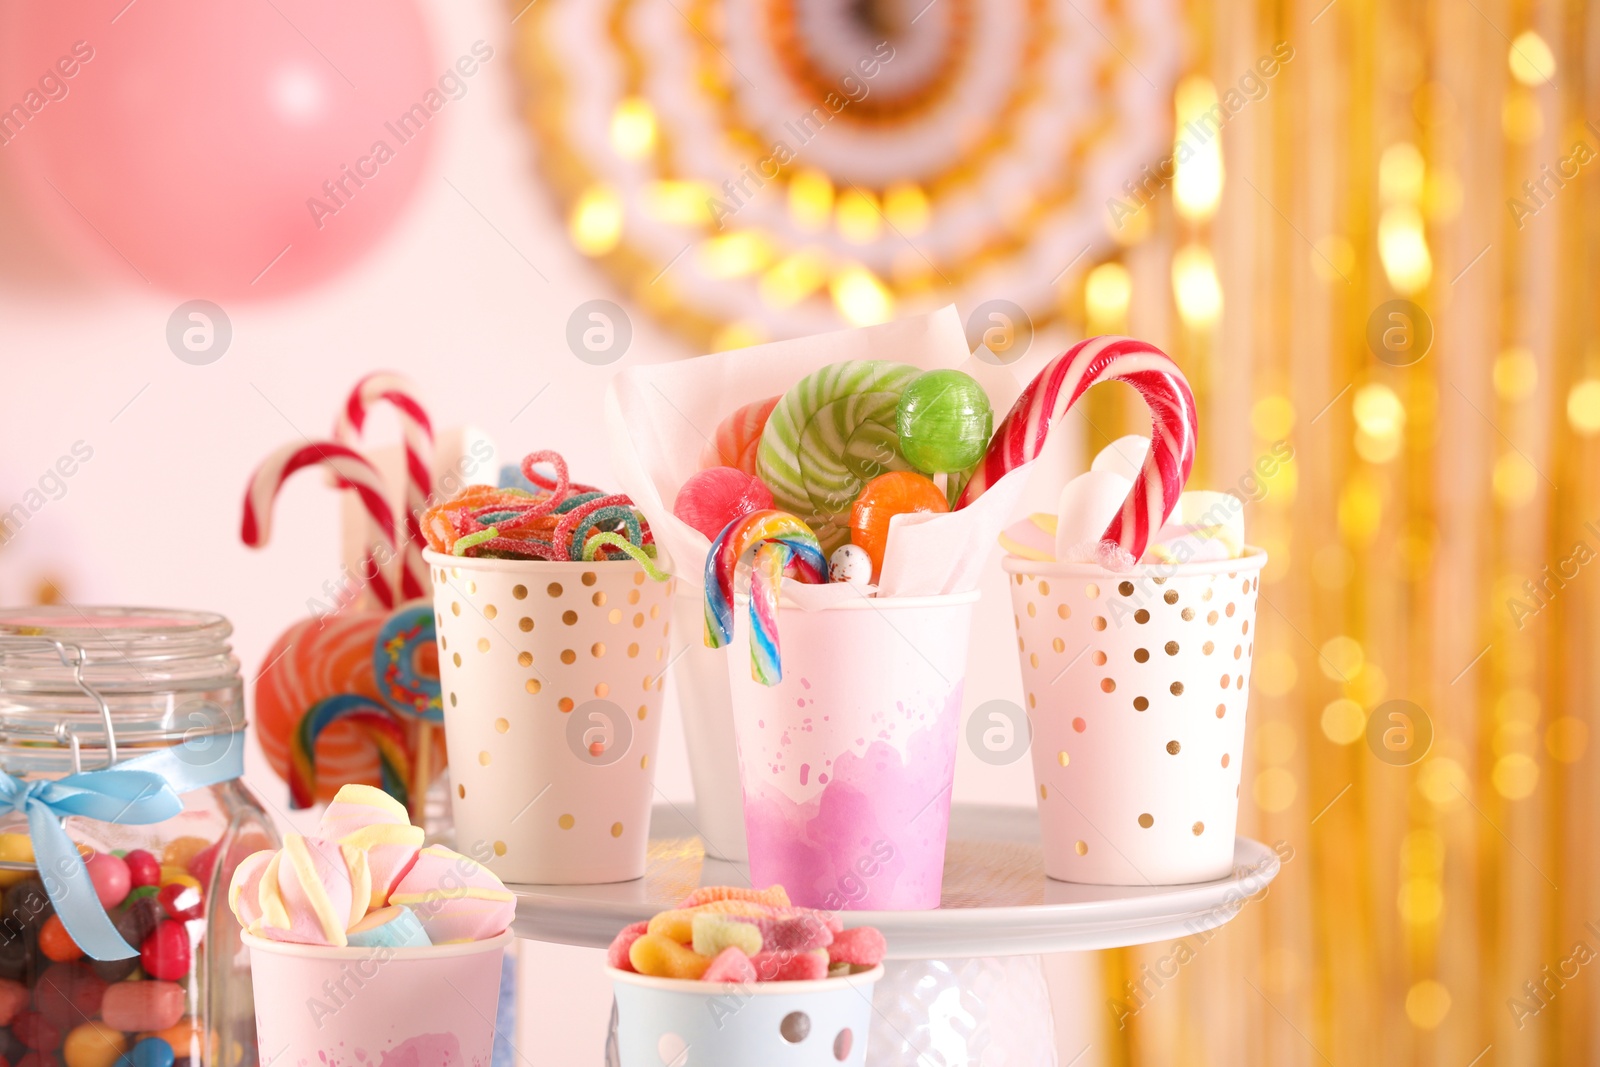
(1136, 686)
(552, 684)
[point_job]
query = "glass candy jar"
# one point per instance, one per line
(156, 690)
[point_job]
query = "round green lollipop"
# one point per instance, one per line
(944, 421)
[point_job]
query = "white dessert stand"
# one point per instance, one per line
(963, 985)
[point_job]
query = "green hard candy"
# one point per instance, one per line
(944, 420)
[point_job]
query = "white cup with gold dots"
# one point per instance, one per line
(1136, 685)
(551, 675)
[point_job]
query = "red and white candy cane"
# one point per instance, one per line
(353, 470)
(1020, 438)
(417, 430)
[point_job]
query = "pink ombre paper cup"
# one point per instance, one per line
(355, 1007)
(847, 763)
(1137, 684)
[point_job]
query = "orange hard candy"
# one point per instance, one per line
(888, 495)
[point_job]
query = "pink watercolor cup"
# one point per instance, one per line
(382, 1007)
(847, 763)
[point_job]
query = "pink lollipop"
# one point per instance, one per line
(738, 437)
(1021, 436)
(714, 497)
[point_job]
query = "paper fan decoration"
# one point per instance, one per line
(771, 168)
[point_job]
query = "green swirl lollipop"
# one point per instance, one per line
(830, 434)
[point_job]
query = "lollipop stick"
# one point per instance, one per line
(422, 766)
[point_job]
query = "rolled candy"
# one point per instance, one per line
(1047, 398)
(455, 897)
(781, 542)
(313, 891)
(831, 433)
(392, 927)
(245, 889)
(370, 819)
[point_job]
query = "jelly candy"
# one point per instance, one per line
(152, 1052)
(143, 1006)
(56, 943)
(68, 993)
(799, 933)
(710, 499)
(110, 877)
(180, 901)
(886, 496)
(944, 420)
(730, 965)
(780, 966)
(35, 1031)
(135, 923)
(94, 1044)
(678, 924)
(165, 953)
(863, 946)
(773, 896)
(713, 933)
(617, 954)
(143, 868)
(15, 848)
(13, 998)
(662, 957)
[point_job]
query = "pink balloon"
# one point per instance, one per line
(220, 148)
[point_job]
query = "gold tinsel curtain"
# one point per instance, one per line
(1419, 167)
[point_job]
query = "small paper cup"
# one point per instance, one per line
(1137, 684)
(848, 762)
(701, 677)
(552, 678)
(320, 1005)
(662, 1021)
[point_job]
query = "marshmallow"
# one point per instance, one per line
(313, 891)
(455, 897)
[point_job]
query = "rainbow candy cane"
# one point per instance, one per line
(779, 541)
(1021, 437)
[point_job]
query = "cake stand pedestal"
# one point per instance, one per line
(964, 984)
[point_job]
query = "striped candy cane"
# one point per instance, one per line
(417, 430)
(347, 465)
(1021, 437)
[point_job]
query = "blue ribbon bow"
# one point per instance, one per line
(135, 792)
